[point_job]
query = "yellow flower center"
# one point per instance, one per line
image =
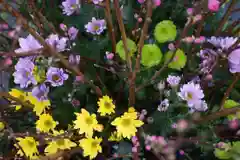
(126, 122)
(94, 144)
(48, 123)
(74, 6)
(27, 74)
(55, 78)
(60, 142)
(89, 121)
(189, 96)
(96, 27)
(107, 105)
(30, 143)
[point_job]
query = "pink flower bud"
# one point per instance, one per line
(140, 19)
(148, 147)
(12, 34)
(188, 39)
(153, 138)
(174, 125)
(233, 124)
(7, 62)
(171, 46)
(181, 152)
(157, 2)
(109, 56)
(197, 18)
(79, 79)
(213, 5)
(182, 125)
(75, 102)
(190, 11)
(134, 139)
(63, 27)
(141, 1)
(199, 40)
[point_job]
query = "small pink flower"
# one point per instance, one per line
(7, 62)
(148, 147)
(213, 5)
(134, 139)
(188, 39)
(109, 56)
(153, 138)
(190, 11)
(182, 125)
(79, 79)
(181, 152)
(141, 1)
(171, 46)
(157, 2)
(200, 40)
(12, 34)
(233, 124)
(140, 19)
(197, 18)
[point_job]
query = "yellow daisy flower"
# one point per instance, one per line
(106, 106)
(39, 106)
(29, 147)
(115, 137)
(91, 146)
(86, 123)
(127, 124)
(60, 144)
(20, 95)
(2, 126)
(46, 123)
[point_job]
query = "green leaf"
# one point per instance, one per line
(131, 45)
(178, 62)
(230, 104)
(151, 55)
(236, 147)
(165, 31)
(222, 154)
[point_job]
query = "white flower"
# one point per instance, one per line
(191, 93)
(161, 85)
(163, 106)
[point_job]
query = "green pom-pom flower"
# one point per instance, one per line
(151, 55)
(230, 104)
(222, 154)
(165, 31)
(131, 45)
(179, 60)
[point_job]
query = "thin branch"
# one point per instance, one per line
(227, 93)
(123, 33)
(216, 115)
(110, 25)
(225, 17)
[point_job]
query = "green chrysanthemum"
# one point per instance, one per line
(39, 74)
(132, 47)
(165, 31)
(222, 154)
(230, 104)
(151, 55)
(178, 61)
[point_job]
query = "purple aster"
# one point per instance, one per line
(234, 61)
(56, 42)
(222, 43)
(96, 26)
(40, 92)
(200, 106)
(23, 74)
(72, 33)
(70, 6)
(97, 1)
(56, 76)
(173, 81)
(28, 44)
(191, 93)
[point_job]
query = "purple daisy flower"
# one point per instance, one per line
(191, 93)
(70, 6)
(234, 61)
(222, 43)
(28, 44)
(23, 74)
(97, 1)
(56, 76)
(200, 106)
(96, 26)
(40, 92)
(56, 42)
(173, 81)
(72, 33)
